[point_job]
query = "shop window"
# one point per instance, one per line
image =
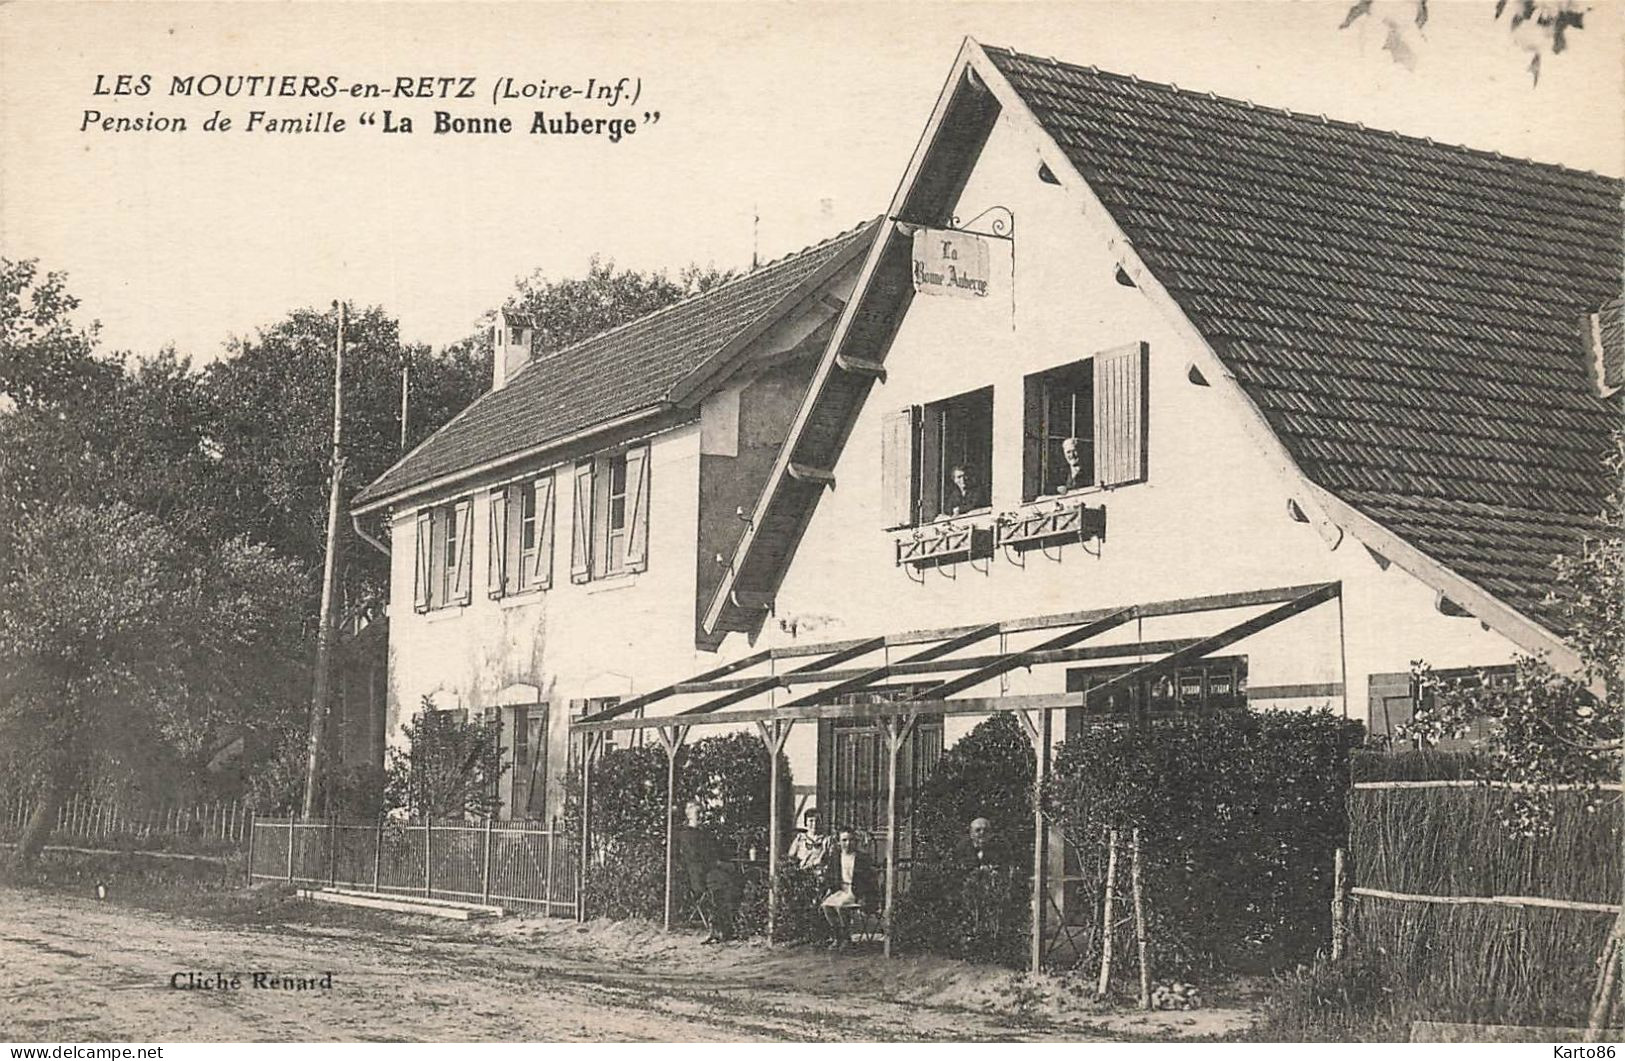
(1203, 685)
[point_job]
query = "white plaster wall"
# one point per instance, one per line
(611, 637)
(1211, 518)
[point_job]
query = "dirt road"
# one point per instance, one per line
(77, 970)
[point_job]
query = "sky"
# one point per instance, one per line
(802, 116)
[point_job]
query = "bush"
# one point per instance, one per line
(950, 908)
(1239, 814)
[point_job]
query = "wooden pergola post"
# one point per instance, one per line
(1039, 733)
(898, 729)
(774, 734)
(589, 744)
(671, 738)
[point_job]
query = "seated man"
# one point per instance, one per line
(974, 852)
(849, 884)
(707, 871)
(810, 846)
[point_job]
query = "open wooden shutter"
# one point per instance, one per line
(899, 466)
(514, 539)
(1032, 438)
(464, 585)
(600, 518)
(581, 525)
(424, 569)
(637, 504)
(541, 574)
(1120, 415)
(496, 577)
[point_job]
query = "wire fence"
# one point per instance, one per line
(527, 869)
(222, 823)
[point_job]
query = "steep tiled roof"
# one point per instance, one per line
(1403, 312)
(621, 372)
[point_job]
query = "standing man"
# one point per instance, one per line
(850, 885)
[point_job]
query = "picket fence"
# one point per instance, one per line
(88, 818)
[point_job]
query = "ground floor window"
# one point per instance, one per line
(1203, 685)
(852, 775)
(1392, 700)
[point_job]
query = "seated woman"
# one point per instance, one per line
(849, 885)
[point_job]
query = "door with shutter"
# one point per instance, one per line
(497, 539)
(581, 513)
(541, 575)
(899, 466)
(637, 504)
(535, 806)
(424, 577)
(1120, 415)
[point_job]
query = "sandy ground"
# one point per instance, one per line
(73, 969)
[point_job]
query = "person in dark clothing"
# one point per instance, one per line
(1076, 472)
(963, 494)
(706, 871)
(850, 885)
(975, 852)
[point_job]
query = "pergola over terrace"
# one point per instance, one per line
(730, 695)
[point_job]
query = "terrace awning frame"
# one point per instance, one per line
(898, 715)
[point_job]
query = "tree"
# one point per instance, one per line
(450, 767)
(118, 646)
(1540, 26)
(1551, 728)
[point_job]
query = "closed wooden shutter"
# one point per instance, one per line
(497, 567)
(541, 575)
(899, 466)
(464, 591)
(637, 506)
(424, 570)
(1120, 415)
(536, 791)
(581, 525)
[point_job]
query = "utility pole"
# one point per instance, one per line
(406, 385)
(325, 632)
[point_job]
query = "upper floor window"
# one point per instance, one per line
(937, 459)
(445, 557)
(521, 536)
(610, 521)
(1085, 424)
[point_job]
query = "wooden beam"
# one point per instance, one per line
(1019, 659)
(968, 705)
(660, 694)
(1041, 736)
(861, 366)
(1314, 596)
(867, 678)
(776, 681)
(672, 738)
(806, 473)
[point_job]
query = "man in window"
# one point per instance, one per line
(964, 494)
(1076, 472)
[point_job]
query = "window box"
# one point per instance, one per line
(1067, 522)
(944, 543)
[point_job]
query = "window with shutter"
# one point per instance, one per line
(581, 523)
(540, 567)
(496, 577)
(899, 466)
(1059, 430)
(423, 576)
(1120, 415)
(609, 537)
(637, 516)
(462, 561)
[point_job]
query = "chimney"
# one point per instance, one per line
(510, 346)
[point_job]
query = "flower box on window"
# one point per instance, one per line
(945, 543)
(1057, 524)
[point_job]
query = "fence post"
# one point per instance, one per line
(251, 855)
(1339, 904)
(428, 871)
(290, 846)
(485, 873)
(547, 863)
(332, 851)
(378, 853)
(1139, 920)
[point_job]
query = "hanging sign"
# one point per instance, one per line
(950, 263)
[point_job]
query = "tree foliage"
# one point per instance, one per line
(449, 768)
(1541, 27)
